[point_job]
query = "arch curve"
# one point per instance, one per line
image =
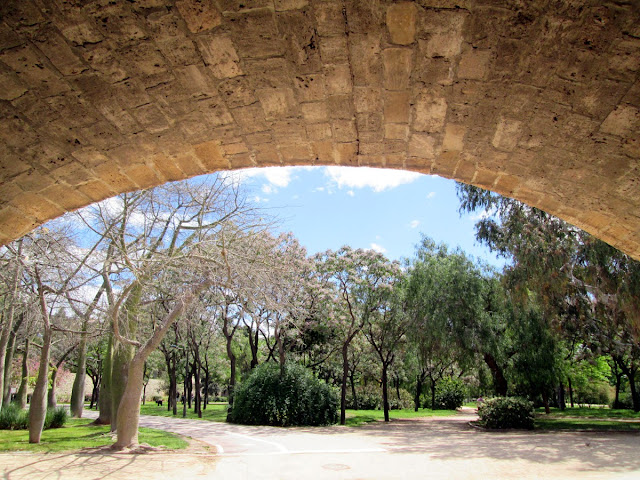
(535, 101)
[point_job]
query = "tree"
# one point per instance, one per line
(356, 281)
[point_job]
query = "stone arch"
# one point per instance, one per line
(533, 100)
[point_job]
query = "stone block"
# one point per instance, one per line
(267, 155)
(319, 131)
(277, 103)
(315, 112)
(340, 106)
(329, 17)
(167, 168)
(241, 160)
(310, 88)
(422, 145)
(296, 153)
(189, 164)
(429, 113)
(397, 107)
(31, 70)
(401, 23)
(36, 206)
(284, 5)
(259, 138)
(334, 49)
(66, 198)
(453, 137)
(346, 154)
(396, 131)
(507, 134)
(211, 156)
(367, 99)
(366, 62)
(250, 118)
(151, 118)
(397, 68)
(219, 54)
(474, 64)
(338, 79)
(255, 34)
(344, 130)
(237, 92)
(10, 87)
(56, 49)
(234, 148)
(624, 121)
(443, 44)
(199, 16)
(369, 122)
(323, 151)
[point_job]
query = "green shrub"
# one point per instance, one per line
(506, 412)
(405, 401)
(293, 397)
(625, 401)
(12, 417)
(56, 418)
(450, 394)
(369, 397)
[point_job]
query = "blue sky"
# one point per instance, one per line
(385, 210)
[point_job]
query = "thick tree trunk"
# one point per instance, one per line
(353, 389)
(24, 379)
(122, 357)
(545, 401)
(562, 405)
(433, 394)
(38, 406)
(343, 391)
(570, 391)
(499, 380)
(198, 392)
(128, 416)
(77, 392)
(385, 392)
(104, 401)
(232, 365)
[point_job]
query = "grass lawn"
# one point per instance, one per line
(360, 417)
(215, 412)
(598, 419)
(79, 433)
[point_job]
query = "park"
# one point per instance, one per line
(155, 312)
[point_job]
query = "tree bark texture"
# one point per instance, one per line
(104, 401)
(38, 406)
(77, 392)
(24, 379)
(345, 376)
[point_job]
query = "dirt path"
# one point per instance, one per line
(437, 448)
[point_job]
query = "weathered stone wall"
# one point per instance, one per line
(539, 100)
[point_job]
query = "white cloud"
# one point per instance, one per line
(276, 176)
(431, 195)
(414, 223)
(378, 248)
(375, 178)
(351, 193)
(268, 189)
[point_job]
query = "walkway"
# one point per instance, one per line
(437, 448)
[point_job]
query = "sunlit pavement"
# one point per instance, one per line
(438, 448)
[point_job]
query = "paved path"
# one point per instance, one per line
(434, 448)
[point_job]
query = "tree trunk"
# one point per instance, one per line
(635, 396)
(232, 364)
(38, 406)
(353, 389)
(433, 394)
(562, 405)
(570, 391)
(104, 400)
(207, 379)
(545, 401)
(499, 380)
(8, 322)
(77, 392)
(198, 392)
(122, 357)
(343, 391)
(616, 402)
(52, 401)
(419, 386)
(8, 363)
(24, 380)
(128, 416)
(385, 392)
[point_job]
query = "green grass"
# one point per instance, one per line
(359, 417)
(601, 413)
(215, 412)
(79, 433)
(595, 419)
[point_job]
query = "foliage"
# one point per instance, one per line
(507, 412)
(405, 400)
(368, 397)
(56, 418)
(287, 395)
(450, 394)
(12, 417)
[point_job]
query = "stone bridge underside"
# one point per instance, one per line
(537, 100)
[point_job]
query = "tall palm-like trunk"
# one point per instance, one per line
(77, 392)
(104, 401)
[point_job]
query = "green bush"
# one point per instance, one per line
(369, 397)
(292, 398)
(506, 412)
(56, 418)
(12, 417)
(450, 394)
(625, 401)
(405, 401)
